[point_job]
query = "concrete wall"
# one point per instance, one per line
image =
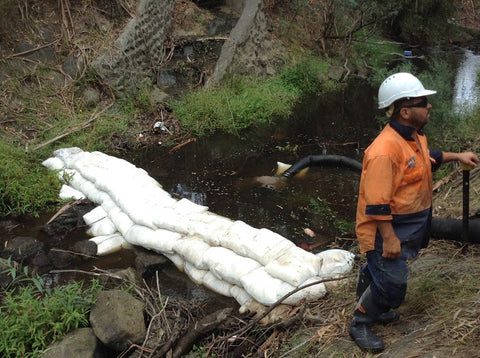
(138, 51)
(137, 54)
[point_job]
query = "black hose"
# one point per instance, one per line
(452, 229)
(323, 160)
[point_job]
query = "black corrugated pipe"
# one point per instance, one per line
(452, 229)
(323, 160)
(448, 229)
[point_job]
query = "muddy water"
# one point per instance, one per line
(219, 172)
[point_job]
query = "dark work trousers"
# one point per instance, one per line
(389, 279)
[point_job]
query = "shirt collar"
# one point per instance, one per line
(405, 131)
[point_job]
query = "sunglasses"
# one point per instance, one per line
(422, 104)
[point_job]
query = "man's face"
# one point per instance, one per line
(418, 111)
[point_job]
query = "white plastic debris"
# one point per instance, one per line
(254, 266)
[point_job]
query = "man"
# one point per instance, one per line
(395, 204)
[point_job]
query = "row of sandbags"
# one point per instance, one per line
(229, 257)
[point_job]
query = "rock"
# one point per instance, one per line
(129, 274)
(21, 247)
(71, 67)
(69, 220)
(91, 97)
(40, 263)
(32, 52)
(157, 96)
(85, 247)
(166, 77)
(80, 343)
(61, 259)
(117, 319)
(147, 262)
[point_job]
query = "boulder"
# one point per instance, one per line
(80, 343)
(117, 319)
(21, 247)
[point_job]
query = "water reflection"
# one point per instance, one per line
(466, 88)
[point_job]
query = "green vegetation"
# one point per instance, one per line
(245, 102)
(35, 121)
(32, 315)
(322, 209)
(25, 187)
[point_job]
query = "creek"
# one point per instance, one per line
(219, 172)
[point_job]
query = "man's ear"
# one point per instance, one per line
(404, 113)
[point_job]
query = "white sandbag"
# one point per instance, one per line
(195, 274)
(268, 245)
(177, 260)
(102, 227)
(159, 240)
(192, 249)
(240, 238)
(212, 282)
(135, 207)
(108, 204)
(335, 262)
(263, 287)
(67, 192)
(314, 292)
(267, 290)
(53, 163)
(112, 244)
(65, 154)
(99, 239)
(90, 191)
(185, 206)
(168, 219)
(294, 266)
(199, 224)
(97, 214)
(227, 265)
(208, 226)
(122, 221)
(240, 295)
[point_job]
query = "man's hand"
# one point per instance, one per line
(467, 158)
(391, 244)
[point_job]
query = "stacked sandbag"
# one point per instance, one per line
(229, 257)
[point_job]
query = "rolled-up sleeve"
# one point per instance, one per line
(378, 185)
(436, 158)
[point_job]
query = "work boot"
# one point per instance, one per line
(364, 281)
(365, 314)
(388, 317)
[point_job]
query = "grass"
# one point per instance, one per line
(35, 125)
(244, 102)
(32, 316)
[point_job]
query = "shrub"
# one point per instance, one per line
(32, 316)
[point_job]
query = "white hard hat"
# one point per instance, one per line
(400, 85)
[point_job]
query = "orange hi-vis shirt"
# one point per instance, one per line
(395, 185)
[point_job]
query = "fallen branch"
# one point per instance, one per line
(182, 144)
(74, 129)
(200, 329)
(18, 54)
(64, 208)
